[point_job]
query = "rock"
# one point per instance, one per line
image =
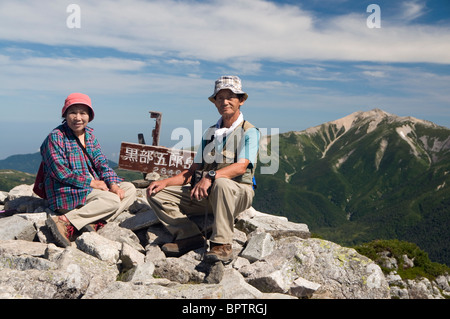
(3, 196)
(341, 272)
(70, 276)
(26, 204)
(141, 183)
(141, 220)
(422, 289)
(274, 259)
(114, 232)
(38, 219)
(142, 272)
(153, 253)
(86, 272)
(240, 262)
(407, 263)
(443, 283)
(15, 227)
(234, 286)
(22, 247)
(24, 255)
(20, 191)
(387, 261)
(394, 279)
(275, 226)
(181, 270)
(215, 274)
(158, 235)
(259, 245)
(99, 246)
(130, 257)
(303, 288)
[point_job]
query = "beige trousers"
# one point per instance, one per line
(227, 199)
(102, 205)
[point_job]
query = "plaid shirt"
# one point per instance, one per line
(67, 175)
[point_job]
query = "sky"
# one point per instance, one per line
(302, 63)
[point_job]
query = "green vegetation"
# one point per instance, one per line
(423, 267)
(11, 178)
(129, 175)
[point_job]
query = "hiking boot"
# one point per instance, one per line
(93, 227)
(88, 228)
(182, 246)
(62, 230)
(219, 252)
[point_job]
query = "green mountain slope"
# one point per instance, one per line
(11, 178)
(370, 175)
(28, 163)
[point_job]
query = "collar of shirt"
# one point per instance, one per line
(221, 133)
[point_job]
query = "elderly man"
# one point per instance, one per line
(224, 165)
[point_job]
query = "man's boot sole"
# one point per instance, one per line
(214, 258)
(60, 239)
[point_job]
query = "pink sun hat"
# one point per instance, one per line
(78, 98)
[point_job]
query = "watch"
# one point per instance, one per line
(212, 175)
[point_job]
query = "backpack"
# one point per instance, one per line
(39, 187)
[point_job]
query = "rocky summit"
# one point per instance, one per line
(274, 258)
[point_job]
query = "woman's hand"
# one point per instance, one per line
(99, 185)
(117, 190)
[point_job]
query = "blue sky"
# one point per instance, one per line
(303, 63)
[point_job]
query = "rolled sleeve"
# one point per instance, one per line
(250, 146)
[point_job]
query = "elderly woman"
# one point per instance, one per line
(80, 186)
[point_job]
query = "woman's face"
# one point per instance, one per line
(77, 118)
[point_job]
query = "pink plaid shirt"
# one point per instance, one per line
(67, 175)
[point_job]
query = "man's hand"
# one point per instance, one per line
(200, 189)
(156, 186)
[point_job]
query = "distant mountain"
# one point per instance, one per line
(370, 175)
(28, 163)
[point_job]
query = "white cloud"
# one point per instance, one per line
(182, 62)
(224, 30)
(111, 64)
(412, 10)
(375, 74)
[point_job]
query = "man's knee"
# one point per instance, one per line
(220, 185)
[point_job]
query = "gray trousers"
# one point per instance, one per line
(102, 205)
(226, 200)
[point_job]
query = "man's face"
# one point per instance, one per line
(228, 103)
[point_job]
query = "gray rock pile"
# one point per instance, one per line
(274, 258)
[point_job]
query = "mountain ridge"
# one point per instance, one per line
(369, 175)
(28, 163)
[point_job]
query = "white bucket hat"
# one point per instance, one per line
(230, 82)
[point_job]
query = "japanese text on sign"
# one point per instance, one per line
(147, 158)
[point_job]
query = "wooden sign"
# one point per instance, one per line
(147, 158)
